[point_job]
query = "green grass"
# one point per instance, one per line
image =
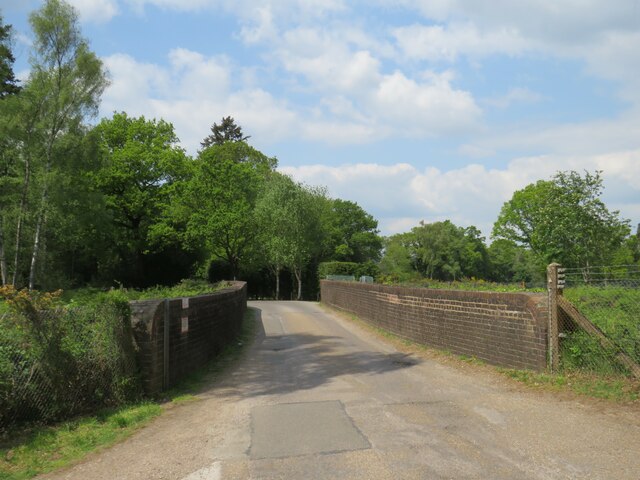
(609, 388)
(36, 450)
(44, 449)
(615, 310)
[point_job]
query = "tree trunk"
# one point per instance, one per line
(3, 262)
(36, 247)
(298, 273)
(21, 214)
(40, 225)
(277, 283)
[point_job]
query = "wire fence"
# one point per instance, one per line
(600, 327)
(62, 362)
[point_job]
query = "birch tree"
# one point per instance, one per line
(65, 85)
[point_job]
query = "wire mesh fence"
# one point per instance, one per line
(599, 326)
(61, 362)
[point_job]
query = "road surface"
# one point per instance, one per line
(317, 397)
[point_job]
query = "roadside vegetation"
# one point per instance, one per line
(38, 449)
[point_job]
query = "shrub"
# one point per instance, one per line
(57, 361)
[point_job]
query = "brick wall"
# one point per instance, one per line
(506, 329)
(199, 327)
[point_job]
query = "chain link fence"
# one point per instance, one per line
(61, 362)
(599, 320)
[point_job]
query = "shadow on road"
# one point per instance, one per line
(292, 362)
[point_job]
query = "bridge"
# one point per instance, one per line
(319, 396)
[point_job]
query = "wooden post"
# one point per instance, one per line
(553, 291)
(166, 339)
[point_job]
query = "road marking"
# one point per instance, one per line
(214, 472)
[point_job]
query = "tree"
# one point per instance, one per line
(288, 217)
(227, 131)
(352, 233)
(563, 220)
(64, 87)
(8, 87)
(510, 262)
(8, 83)
(142, 165)
(398, 259)
(220, 197)
(444, 251)
(274, 215)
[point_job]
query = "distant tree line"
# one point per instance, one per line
(120, 203)
(558, 220)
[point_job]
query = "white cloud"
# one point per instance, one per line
(363, 99)
(604, 35)
(400, 195)
(425, 108)
(514, 95)
(192, 92)
(448, 42)
(97, 11)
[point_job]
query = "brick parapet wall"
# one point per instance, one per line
(199, 328)
(505, 329)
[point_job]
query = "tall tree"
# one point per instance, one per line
(563, 220)
(8, 83)
(288, 217)
(220, 197)
(227, 131)
(142, 166)
(352, 233)
(8, 87)
(444, 251)
(65, 86)
(274, 216)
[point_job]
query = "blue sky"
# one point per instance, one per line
(417, 110)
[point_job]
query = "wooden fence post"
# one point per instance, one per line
(554, 331)
(165, 344)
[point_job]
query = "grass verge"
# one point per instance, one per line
(38, 450)
(612, 388)
(43, 449)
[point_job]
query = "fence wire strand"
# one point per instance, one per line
(59, 363)
(607, 297)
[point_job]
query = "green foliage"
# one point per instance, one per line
(615, 311)
(78, 358)
(337, 268)
(438, 251)
(227, 131)
(509, 262)
(351, 233)
(8, 83)
(141, 171)
(220, 197)
(95, 296)
(563, 220)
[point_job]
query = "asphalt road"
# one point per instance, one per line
(317, 397)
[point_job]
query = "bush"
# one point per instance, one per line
(57, 361)
(336, 268)
(356, 270)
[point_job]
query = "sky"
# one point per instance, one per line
(420, 110)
